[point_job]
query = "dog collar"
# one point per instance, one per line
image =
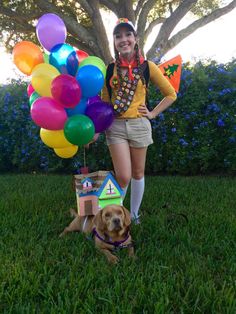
(116, 244)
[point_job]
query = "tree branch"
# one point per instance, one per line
(152, 25)
(82, 46)
(177, 38)
(142, 20)
(84, 4)
(111, 6)
(100, 33)
(140, 4)
(125, 9)
(16, 16)
(169, 24)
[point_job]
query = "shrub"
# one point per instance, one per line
(196, 135)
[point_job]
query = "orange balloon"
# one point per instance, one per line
(26, 55)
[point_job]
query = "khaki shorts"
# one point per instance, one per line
(137, 132)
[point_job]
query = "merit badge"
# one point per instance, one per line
(114, 81)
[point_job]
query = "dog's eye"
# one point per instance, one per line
(107, 215)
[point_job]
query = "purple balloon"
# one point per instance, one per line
(50, 30)
(102, 115)
(93, 99)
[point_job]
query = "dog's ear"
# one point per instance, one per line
(98, 222)
(127, 220)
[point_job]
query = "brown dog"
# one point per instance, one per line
(110, 228)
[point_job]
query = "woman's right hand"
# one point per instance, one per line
(96, 136)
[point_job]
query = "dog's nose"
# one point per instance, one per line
(116, 221)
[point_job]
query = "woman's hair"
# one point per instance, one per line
(137, 56)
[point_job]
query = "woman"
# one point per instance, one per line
(130, 134)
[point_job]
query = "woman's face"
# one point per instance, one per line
(125, 41)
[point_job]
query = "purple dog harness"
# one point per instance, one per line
(116, 244)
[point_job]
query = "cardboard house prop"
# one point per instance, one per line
(96, 190)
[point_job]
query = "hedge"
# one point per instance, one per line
(196, 135)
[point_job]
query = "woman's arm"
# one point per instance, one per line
(167, 90)
(162, 106)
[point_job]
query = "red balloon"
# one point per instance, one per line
(81, 55)
(30, 90)
(66, 90)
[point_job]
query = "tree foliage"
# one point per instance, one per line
(86, 28)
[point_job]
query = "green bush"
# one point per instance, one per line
(196, 135)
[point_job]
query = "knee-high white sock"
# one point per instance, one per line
(137, 190)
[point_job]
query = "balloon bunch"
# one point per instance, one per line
(64, 88)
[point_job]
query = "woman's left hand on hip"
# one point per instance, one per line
(143, 110)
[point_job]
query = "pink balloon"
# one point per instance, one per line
(66, 90)
(30, 90)
(48, 114)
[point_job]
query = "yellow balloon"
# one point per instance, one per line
(42, 77)
(66, 152)
(54, 139)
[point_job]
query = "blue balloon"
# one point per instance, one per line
(64, 58)
(91, 80)
(78, 109)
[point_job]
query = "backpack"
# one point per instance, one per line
(110, 70)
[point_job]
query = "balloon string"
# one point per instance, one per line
(84, 158)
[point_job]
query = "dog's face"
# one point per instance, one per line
(112, 218)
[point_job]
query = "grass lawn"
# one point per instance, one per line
(182, 266)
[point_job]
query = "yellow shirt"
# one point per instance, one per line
(156, 77)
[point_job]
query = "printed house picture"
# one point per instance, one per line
(96, 190)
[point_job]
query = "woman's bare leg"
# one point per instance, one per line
(120, 154)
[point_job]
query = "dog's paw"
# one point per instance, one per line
(132, 256)
(113, 259)
(73, 213)
(61, 234)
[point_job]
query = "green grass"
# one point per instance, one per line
(181, 267)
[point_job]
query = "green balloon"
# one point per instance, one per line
(79, 130)
(46, 58)
(33, 97)
(93, 60)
